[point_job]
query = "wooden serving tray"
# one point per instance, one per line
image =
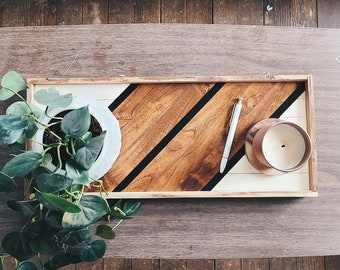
(174, 131)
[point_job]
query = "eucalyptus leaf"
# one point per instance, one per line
(105, 231)
(26, 265)
(53, 182)
(18, 245)
(12, 128)
(7, 184)
(94, 251)
(25, 207)
(51, 97)
(77, 122)
(61, 203)
(79, 175)
(21, 108)
(92, 208)
(11, 83)
(22, 164)
(87, 155)
(76, 237)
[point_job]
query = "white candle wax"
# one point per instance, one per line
(283, 146)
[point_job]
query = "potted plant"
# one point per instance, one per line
(57, 209)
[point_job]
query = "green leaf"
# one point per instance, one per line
(94, 251)
(25, 207)
(7, 184)
(26, 265)
(105, 231)
(76, 237)
(78, 175)
(22, 164)
(53, 182)
(61, 203)
(18, 245)
(131, 207)
(11, 83)
(92, 208)
(20, 108)
(77, 122)
(51, 97)
(12, 128)
(53, 218)
(88, 154)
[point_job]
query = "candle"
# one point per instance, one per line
(283, 146)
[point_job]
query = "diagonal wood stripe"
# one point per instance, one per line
(192, 158)
(145, 117)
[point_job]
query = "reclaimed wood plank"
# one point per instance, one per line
(69, 12)
(250, 12)
(144, 264)
(255, 263)
(297, 263)
(228, 264)
(225, 12)
(95, 12)
(199, 11)
(116, 264)
(277, 12)
(121, 11)
(332, 262)
(147, 11)
(172, 264)
(200, 264)
(173, 11)
(304, 13)
(216, 228)
(42, 12)
(328, 13)
(15, 13)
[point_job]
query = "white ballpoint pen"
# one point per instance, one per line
(231, 133)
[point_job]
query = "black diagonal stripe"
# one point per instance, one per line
(232, 162)
(119, 100)
(167, 138)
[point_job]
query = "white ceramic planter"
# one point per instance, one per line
(107, 121)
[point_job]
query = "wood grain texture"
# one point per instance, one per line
(303, 13)
(206, 228)
(277, 12)
(328, 13)
(95, 12)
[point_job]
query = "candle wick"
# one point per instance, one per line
(283, 145)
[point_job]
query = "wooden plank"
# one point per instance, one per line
(199, 11)
(144, 264)
(171, 228)
(249, 264)
(116, 264)
(332, 262)
(42, 12)
(15, 13)
(174, 11)
(225, 11)
(95, 12)
(277, 13)
(147, 11)
(121, 11)
(303, 13)
(250, 12)
(97, 265)
(328, 13)
(200, 264)
(228, 264)
(297, 263)
(172, 264)
(69, 12)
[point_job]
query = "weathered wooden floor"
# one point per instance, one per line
(296, 13)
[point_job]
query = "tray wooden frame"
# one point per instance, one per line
(310, 126)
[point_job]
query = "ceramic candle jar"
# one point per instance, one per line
(283, 146)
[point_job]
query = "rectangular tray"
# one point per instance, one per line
(174, 131)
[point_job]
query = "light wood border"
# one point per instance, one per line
(267, 77)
